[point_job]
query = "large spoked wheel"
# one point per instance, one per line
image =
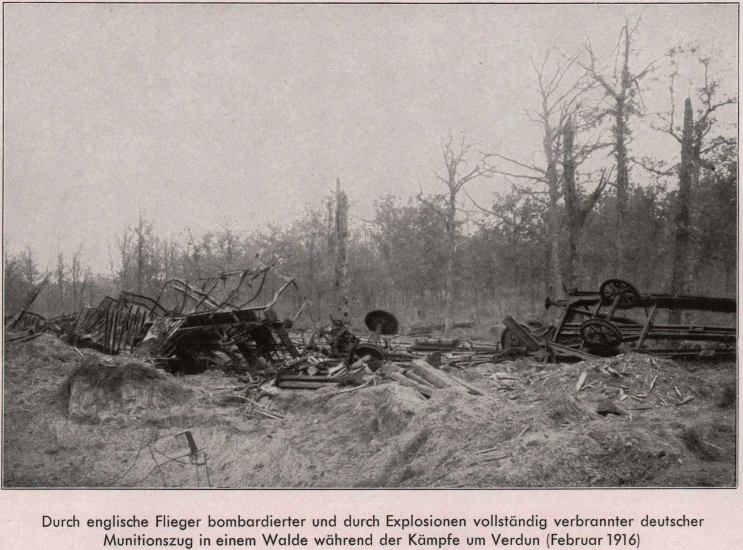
(600, 334)
(628, 295)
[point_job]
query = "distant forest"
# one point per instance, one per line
(588, 207)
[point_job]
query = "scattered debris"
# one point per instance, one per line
(260, 359)
(404, 429)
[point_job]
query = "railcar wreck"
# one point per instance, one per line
(618, 317)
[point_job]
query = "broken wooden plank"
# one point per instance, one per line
(413, 376)
(267, 414)
(257, 408)
(441, 379)
(526, 337)
(581, 379)
(405, 381)
(305, 382)
(437, 378)
(360, 362)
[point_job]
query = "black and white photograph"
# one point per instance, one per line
(370, 246)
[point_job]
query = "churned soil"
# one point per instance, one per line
(81, 419)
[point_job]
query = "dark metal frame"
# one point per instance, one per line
(592, 324)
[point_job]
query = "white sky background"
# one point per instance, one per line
(201, 116)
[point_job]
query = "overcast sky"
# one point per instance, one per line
(200, 116)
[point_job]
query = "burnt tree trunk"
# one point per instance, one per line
(61, 282)
(341, 259)
(620, 136)
(450, 251)
(553, 212)
(576, 209)
(679, 275)
(572, 204)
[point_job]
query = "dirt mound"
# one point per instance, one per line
(110, 422)
(327, 439)
(46, 348)
(100, 392)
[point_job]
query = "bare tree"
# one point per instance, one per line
(686, 175)
(76, 274)
(623, 102)
(61, 281)
(699, 137)
(86, 284)
(341, 257)
(141, 233)
(703, 139)
(555, 103)
(561, 104)
(445, 205)
(577, 207)
(29, 268)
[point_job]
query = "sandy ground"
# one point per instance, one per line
(111, 422)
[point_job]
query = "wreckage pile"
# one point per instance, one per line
(619, 318)
(577, 404)
(247, 321)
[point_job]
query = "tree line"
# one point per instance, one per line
(588, 207)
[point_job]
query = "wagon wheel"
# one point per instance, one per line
(377, 354)
(601, 334)
(610, 289)
(381, 322)
(509, 340)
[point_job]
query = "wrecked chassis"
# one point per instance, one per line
(618, 317)
(206, 327)
(188, 329)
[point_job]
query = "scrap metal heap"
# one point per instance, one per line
(186, 328)
(242, 320)
(233, 314)
(619, 318)
(114, 326)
